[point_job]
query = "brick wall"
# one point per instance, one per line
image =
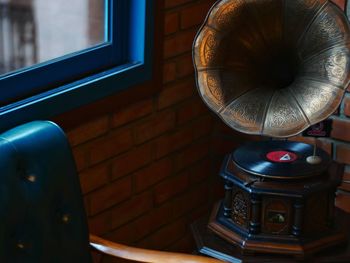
(146, 169)
(150, 169)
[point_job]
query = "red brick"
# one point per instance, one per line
(184, 65)
(165, 236)
(172, 142)
(344, 187)
(192, 154)
(100, 224)
(308, 140)
(131, 161)
(188, 201)
(171, 187)
(346, 176)
(86, 202)
(343, 153)
(340, 3)
(133, 112)
(88, 131)
(203, 126)
(179, 67)
(155, 126)
(224, 129)
(186, 244)
(144, 225)
(341, 128)
(171, 23)
(94, 177)
(224, 145)
(152, 174)
(174, 3)
(125, 234)
(346, 102)
(169, 71)
(175, 93)
(199, 212)
(180, 43)
(190, 110)
(109, 146)
(110, 195)
(194, 15)
(342, 201)
(131, 209)
(80, 157)
(201, 172)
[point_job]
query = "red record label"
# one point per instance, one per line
(281, 156)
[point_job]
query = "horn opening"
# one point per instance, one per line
(273, 67)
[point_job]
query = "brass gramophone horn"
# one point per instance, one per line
(273, 67)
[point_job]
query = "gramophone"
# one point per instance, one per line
(274, 68)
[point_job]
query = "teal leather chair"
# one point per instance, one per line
(42, 217)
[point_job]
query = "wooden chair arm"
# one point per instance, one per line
(145, 255)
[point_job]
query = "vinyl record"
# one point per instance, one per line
(280, 159)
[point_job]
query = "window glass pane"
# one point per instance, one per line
(35, 31)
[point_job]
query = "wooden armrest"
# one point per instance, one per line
(145, 255)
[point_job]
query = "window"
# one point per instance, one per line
(58, 55)
(37, 31)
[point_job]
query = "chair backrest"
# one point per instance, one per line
(42, 217)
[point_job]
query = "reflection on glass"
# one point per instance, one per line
(34, 31)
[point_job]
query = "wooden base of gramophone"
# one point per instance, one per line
(270, 214)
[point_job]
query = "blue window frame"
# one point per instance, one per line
(51, 88)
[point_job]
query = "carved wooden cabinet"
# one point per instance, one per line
(277, 216)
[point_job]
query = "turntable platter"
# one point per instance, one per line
(279, 159)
